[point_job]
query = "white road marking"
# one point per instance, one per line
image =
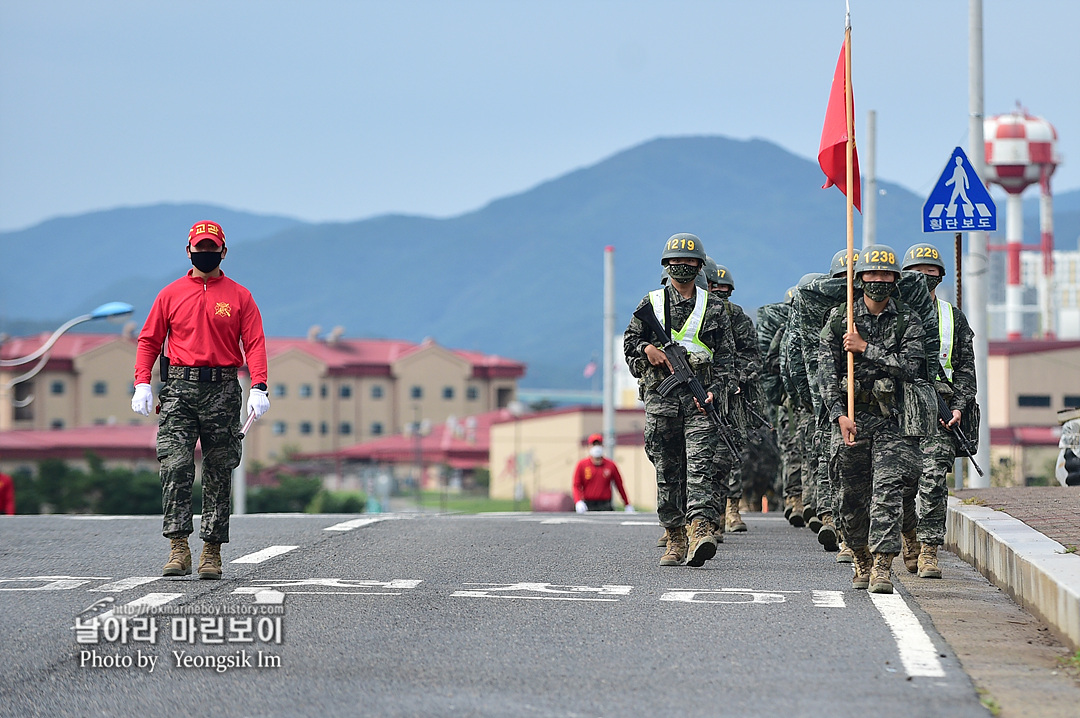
(51, 583)
(917, 651)
(393, 587)
(126, 583)
(828, 599)
(639, 523)
(683, 595)
(554, 592)
(485, 594)
(355, 523)
(263, 595)
(150, 600)
(264, 555)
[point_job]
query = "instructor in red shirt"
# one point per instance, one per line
(210, 326)
(593, 478)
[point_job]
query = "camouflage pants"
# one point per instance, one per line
(876, 475)
(791, 454)
(938, 454)
(682, 450)
(208, 413)
(824, 493)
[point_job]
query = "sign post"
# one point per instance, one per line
(959, 203)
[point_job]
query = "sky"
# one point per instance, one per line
(338, 111)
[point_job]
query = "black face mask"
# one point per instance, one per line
(722, 293)
(205, 261)
(682, 272)
(932, 282)
(879, 291)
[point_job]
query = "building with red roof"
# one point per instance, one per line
(1029, 382)
(326, 391)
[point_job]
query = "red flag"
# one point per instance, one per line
(832, 154)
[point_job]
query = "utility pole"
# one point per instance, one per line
(976, 266)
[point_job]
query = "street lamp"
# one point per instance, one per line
(516, 409)
(109, 310)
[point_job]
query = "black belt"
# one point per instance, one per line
(202, 373)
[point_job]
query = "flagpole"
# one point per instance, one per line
(849, 105)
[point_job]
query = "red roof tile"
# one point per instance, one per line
(105, 441)
(1030, 346)
(67, 347)
(466, 445)
(1025, 435)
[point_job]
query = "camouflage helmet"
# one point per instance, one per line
(923, 253)
(877, 258)
(839, 263)
(723, 276)
(711, 275)
(683, 244)
(789, 295)
(807, 278)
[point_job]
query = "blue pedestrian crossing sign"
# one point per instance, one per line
(960, 202)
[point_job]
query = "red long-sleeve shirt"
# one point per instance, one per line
(208, 323)
(7, 494)
(593, 483)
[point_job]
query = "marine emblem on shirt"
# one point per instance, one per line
(222, 309)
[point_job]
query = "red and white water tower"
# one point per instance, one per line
(1021, 149)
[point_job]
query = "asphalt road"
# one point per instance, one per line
(488, 615)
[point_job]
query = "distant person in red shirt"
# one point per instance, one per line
(212, 327)
(7, 494)
(593, 478)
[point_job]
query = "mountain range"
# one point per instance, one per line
(521, 277)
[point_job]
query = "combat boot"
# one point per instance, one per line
(807, 512)
(814, 523)
(702, 544)
(795, 518)
(879, 574)
(732, 519)
(789, 504)
(928, 565)
(863, 562)
(676, 547)
(911, 549)
(662, 541)
(210, 561)
(179, 563)
(826, 535)
(846, 555)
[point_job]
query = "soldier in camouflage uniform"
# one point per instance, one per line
(801, 403)
(874, 460)
(955, 381)
(747, 371)
(213, 326)
(680, 440)
(777, 389)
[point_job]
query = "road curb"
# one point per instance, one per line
(1030, 567)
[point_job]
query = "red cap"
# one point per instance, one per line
(595, 439)
(206, 230)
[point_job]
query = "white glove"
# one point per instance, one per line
(142, 401)
(580, 507)
(258, 403)
(629, 509)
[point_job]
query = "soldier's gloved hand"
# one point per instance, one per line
(629, 509)
(580, 507)
(258, 403)
(142, 401)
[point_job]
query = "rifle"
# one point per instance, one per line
(945, 414)
(749, 406)
(682, 374)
